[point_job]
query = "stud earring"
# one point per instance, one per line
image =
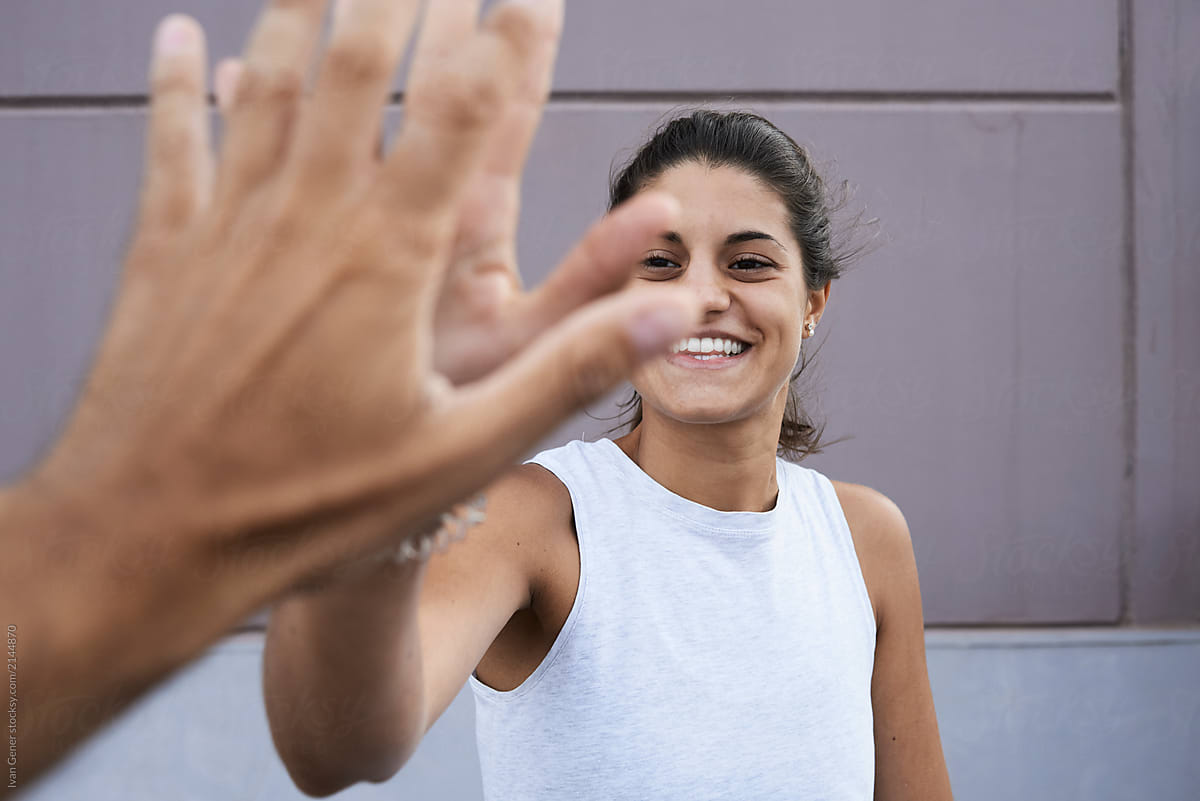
(809, 327)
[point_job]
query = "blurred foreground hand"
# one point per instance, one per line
(315, 347)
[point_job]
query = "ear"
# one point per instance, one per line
(817, 298)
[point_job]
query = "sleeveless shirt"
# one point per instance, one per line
(707, 655)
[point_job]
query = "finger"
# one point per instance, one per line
(490, 209)
(601, 263)
(569, 367)
(225, 81)
(445, 25)
(178, 170)
(458, 92)
(269, 90)
(342, 122)
(510, 147)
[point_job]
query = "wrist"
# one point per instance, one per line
(76, 573)
(104, 581)
(375, 566)
(89, 641)
(404, 558)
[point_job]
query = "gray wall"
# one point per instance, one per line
(1018, 360)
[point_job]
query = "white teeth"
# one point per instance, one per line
(708, 347)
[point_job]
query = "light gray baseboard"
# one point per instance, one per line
(1102, 714)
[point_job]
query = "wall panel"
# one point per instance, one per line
(1164, 554)
(50, 48)
(974, 355)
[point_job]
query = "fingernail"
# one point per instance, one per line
(654, 329)
(176, 34)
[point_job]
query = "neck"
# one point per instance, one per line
(725, 466)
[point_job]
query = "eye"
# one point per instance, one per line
(657, 262)
(745, 263)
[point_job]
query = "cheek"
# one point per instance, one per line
(782, 325)
(780, 321)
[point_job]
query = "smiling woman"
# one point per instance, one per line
(678, 613)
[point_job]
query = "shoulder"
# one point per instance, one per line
(881, 538)
(526, 513)
(873, 513)
(537, 492)
(534, 508)
(529, 499)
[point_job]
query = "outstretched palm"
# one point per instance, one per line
(477, 322)
(484, 315)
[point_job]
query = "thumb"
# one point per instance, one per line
(571, 365)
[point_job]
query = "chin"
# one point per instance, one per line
(703, 413)
(704, 419)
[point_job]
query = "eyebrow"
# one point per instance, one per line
(732, 239)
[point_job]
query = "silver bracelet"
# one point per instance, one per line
(451, 527)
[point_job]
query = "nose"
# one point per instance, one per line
(709, 284)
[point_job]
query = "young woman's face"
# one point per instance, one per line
(734, 249)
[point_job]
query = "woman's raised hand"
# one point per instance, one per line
(273, 361)
(484, 315)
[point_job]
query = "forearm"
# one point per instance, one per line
(342, 678)
(96, 619)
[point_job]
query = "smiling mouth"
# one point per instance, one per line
(708, 349)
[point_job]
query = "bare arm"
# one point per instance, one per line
(264, 405)
(355, 673)
(909, 763)
(342, 679)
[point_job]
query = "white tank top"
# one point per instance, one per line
(708, 654)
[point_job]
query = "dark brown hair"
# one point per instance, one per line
(749, 142)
